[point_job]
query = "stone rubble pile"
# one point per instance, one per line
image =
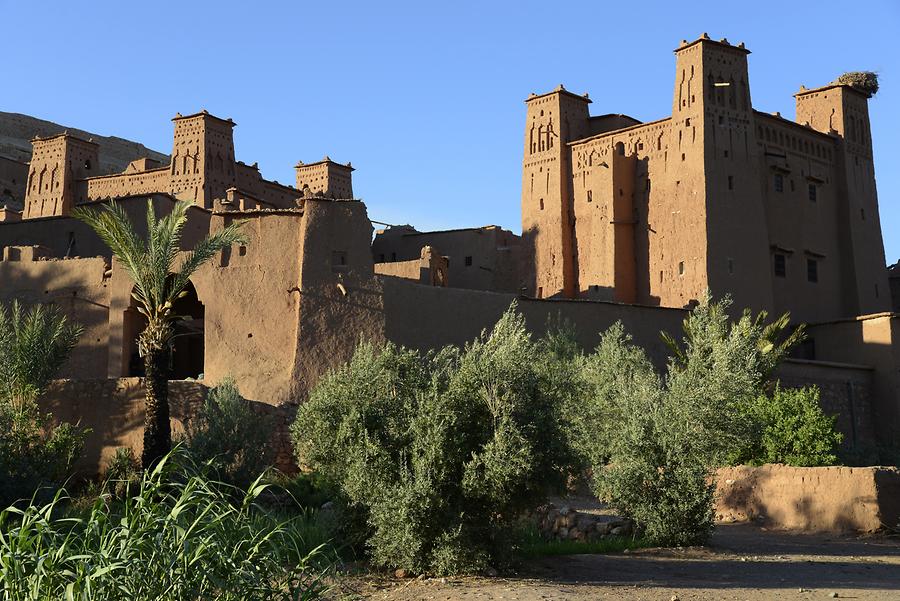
(565, 523)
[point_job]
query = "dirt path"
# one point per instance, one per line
(742, 563)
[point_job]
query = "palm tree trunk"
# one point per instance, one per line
(157, 431)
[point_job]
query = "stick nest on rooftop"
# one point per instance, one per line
(864, 81)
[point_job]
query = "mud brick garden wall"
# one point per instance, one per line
(114, 411)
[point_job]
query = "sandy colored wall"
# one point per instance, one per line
(425, 317)
(874, 341)
(494, 255)
(65, 235)
(813, 499)
(78, 287)
(114, 411)
(251, 306)
(409, 270)
(341, 300)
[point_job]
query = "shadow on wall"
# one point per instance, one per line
(809, 499)
(77, 288)
(114, 411)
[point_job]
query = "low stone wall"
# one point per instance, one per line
(114, 411)
(813, 499)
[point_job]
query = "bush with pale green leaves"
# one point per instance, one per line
(229, 436)
(653, 441)
(439, 454)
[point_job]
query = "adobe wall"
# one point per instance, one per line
(68, 236)
(13, 179)
(78, 287)
(251, 306)
(811, 499)
(114, 411)
(845, 391)
(485, 258)
(340, 298)
(424, 317)
(408, 270)
(869, 340)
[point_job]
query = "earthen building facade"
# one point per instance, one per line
(621, 221)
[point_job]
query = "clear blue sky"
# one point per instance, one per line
(425, 98)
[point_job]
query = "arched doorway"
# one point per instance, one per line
(187, 341)
(187, 344)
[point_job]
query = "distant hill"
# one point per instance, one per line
(16, 132)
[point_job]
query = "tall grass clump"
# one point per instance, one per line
(440, 454)
(176, 535)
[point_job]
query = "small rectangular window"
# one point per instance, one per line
(542, 204)
(468, 261)
(731, 182)
(590, 196)
(779, 182)
(780, 265)
(813, 192)
(862, 214)
(812, 270)
(680, 267)
(540, 292)
(338, 258)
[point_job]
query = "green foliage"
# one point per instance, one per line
(440, 453)
(35, 457)
(793, 429)
(34, 344)
(533, 545)
(230, 436)
(652, 442)
(645, 461)
(178, 537)
(150, 262)
(123, 472)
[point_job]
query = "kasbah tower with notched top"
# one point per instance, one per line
(782, 215)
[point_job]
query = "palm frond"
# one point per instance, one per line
(203, 252)
(114, 227)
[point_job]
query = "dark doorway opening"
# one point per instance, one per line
(187, 343)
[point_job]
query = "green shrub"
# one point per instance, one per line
(180, 536)
(440, 453)
(35, 455)
(230, 436)
(33, 346)
(793, 429)
(122, 473)
(653, 442)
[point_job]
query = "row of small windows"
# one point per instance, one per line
(788, 141)
(780, 267)
(778, 183)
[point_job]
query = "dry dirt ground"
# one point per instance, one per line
(742, 563)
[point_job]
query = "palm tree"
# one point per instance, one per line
(150, 262)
